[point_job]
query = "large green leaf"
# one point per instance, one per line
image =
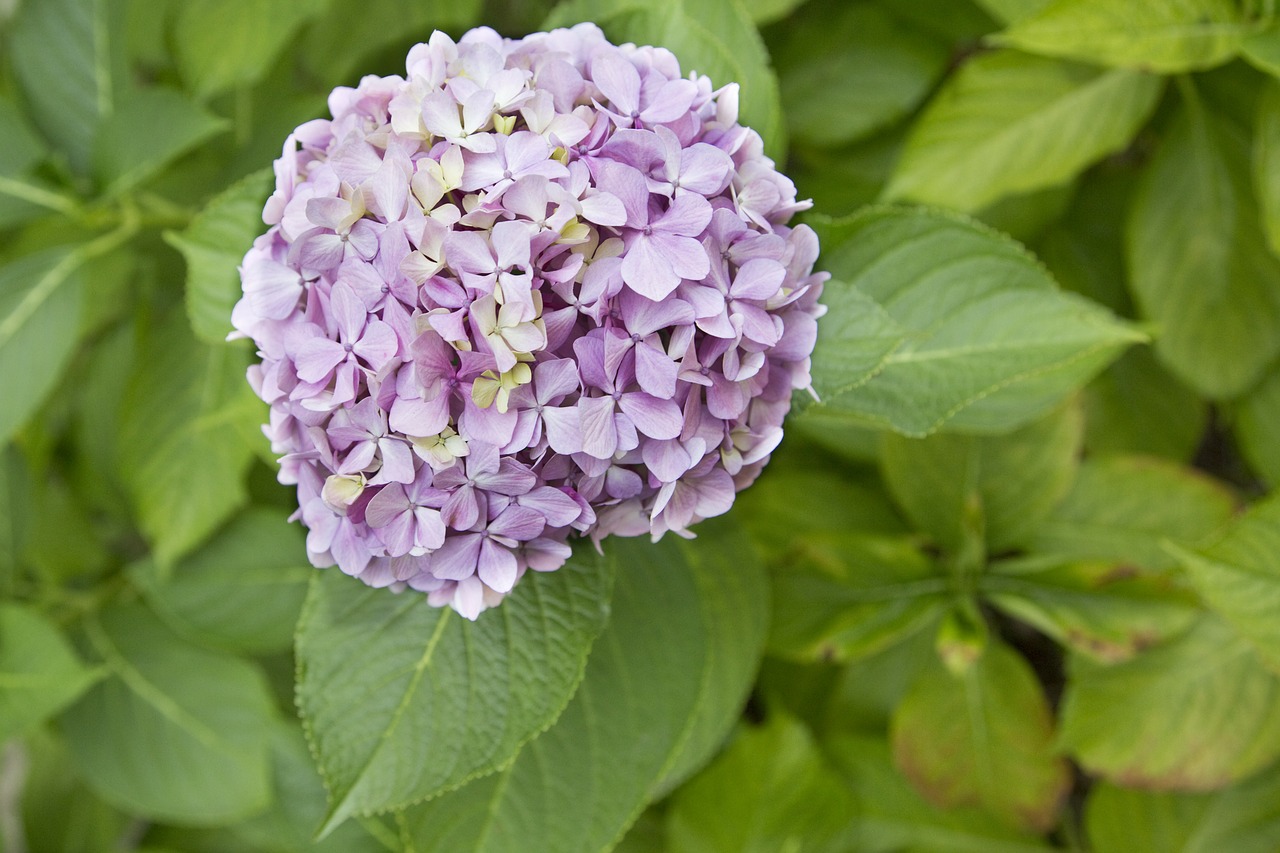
(1193, 714)
(22, 148)
(1011, 11)
(770, 790)
(1136, 406)
(213, 245)
(1238, 576)
(665, 682)
(1123, 508)
(1244, 818)
(855, 340)
(711, 37)
(221, 44)
(892, 816)
(992, 342)
(241, 592)
(188, 424)
(1000, 487)
(1105, 611)
(1198, 261)
(402, 701)
(40, 674)
(1166, 36)
(59, 812)
(1009, 123)
(176, 733)
(982, 738)
(69, 58)
(844, 597)
(884, 70)
(40, 307)
(147, 130)
(1266, 162)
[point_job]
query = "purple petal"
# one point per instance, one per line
(656, 418)
(456, 558)
(386, 506)
(599, 435)
(758, 279)
(647, 271)
(497, 566)
(522, 522)
(317, 357)
(685, 255)
(655, 372)
(618, 81)
(564, 429)
(705, 169)
(377, 345)
(348, 311)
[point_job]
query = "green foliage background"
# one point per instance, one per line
(1013, 584)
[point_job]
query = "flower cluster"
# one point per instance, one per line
(532, 288)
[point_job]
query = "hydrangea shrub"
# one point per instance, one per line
(532, 309)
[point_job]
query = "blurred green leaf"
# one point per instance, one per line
(666, 680)
(1193, 714)
(958, 23)
(1011, 11)
(1025, 216)
(1266, 162)
(770, 790)
(147, 130)
(188, 420)
(222, 44)
(15, 512)
(1105, 611)
(983, 739)
(892, 816)
(1198, 260)
(297, 805)
(1123, 508)
(845, 597)
(1238, 575)
(1262, 50)
(1135, 406)
(59, 813)
(848, 69)
(241, 592)
(22, 149)
(1008, 123)
(1258, 427)
(213, 245)
(993, 344)
(69, 57)
(1168, 36)
(40, 674)
(841, 180)
(441, 700)
(998, 487)
(40, 305)
(1244, 818)
(176, 733)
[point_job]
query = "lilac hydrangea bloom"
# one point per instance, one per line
(531, 290)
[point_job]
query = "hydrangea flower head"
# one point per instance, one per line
(532, 289)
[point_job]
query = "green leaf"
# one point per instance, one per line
(892, 816)
(855, 340)
(766, 11)
(213, 245)
(188, 423)
(1105, 611)
(298, 805)
(885, 70)
(149, 129)
(1266, 162)
(1244, 818)
(1010, 11)
(40, 674)
(1194, 714)
(1262, 50)
(769, 790)
(1258, 428)
(845, 597)
(993, 343)
(69, 58)
(1168, 37)
(1135, 406)
(983, 739)
(1009, 123)
(666, 680)
(711, 37)
(59, 813)
(176, 733)
(1238, 576)
(241, 592)
(999, 487)
(1123, 508)
(1198, 261)
(22, 149)
(222, 44)
(40, 307)
(441, 700)
(338, 45)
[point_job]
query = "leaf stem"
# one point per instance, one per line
(39, 195)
